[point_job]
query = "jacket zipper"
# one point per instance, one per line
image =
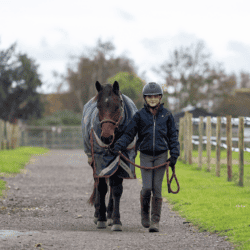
(165, 142)
(154, 137)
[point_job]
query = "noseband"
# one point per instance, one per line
(113, 122)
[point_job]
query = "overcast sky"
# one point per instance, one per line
(50, 31)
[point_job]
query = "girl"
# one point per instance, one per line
(156, 135)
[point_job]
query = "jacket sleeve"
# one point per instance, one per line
(172, 134)
(129, 134)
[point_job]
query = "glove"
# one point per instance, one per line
(172, 161)
(89, 160)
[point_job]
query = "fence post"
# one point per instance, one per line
(190, 144)
(14, 136)
(53, 137)
(8, 134)
(18, 136)
(229, 147)
(59, 137)
(4, 144)
(186, 137)
(1, 133)
(44, 138)
(218, 142)
(208, 133)
(181, 137)
(200, 146)
(241, 150)
(25, 137)
(74, 138)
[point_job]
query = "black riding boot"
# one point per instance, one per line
(145, 207)
(155, 214)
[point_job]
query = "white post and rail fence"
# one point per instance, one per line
(223, 128)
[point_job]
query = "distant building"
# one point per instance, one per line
(193, 110)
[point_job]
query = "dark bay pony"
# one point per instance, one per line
(105, 118)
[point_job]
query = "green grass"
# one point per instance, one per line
(223, 154)
(223, 166)
(12, 161)
(211, 203)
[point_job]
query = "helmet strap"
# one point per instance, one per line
(155, 107)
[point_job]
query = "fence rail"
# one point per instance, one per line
(55, 137)
(234, 121)
(187, 140)
(60, 137)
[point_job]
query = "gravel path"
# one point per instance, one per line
(46, 208)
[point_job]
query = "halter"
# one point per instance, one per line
(114, 122)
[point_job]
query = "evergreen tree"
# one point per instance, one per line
(19, 80)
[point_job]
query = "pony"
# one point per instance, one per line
(105, 118)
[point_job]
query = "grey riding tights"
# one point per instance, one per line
(152, 179)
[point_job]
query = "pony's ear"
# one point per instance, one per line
(98, 86)
(116, 88)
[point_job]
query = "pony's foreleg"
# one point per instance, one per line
(97, 206)
(117, 193)
(102, 190)
(110, 208)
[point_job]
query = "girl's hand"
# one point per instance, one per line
(89, 160)
(172, 162)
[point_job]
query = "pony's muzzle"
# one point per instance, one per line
(107, 140)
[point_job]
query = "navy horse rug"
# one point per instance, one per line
(106, 164)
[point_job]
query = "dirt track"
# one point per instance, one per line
(48, 205)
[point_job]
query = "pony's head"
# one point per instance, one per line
(109, 104)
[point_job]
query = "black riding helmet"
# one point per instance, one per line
(152, 88)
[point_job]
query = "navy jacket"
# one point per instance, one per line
(156, 134)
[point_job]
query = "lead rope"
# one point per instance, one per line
(142, 167)
(167, 173)
(92, 164)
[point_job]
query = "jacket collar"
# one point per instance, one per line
(159, 109)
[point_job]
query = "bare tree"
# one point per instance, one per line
(244, 80)
(187, 71)
(98, 64)
(224, 93)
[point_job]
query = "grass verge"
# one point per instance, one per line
(223, 167)
(12, 161)
(211, 203)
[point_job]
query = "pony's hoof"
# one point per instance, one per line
(101, 224)
(154, 227)
(116, 227)
(110, 222)
(95, 220)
